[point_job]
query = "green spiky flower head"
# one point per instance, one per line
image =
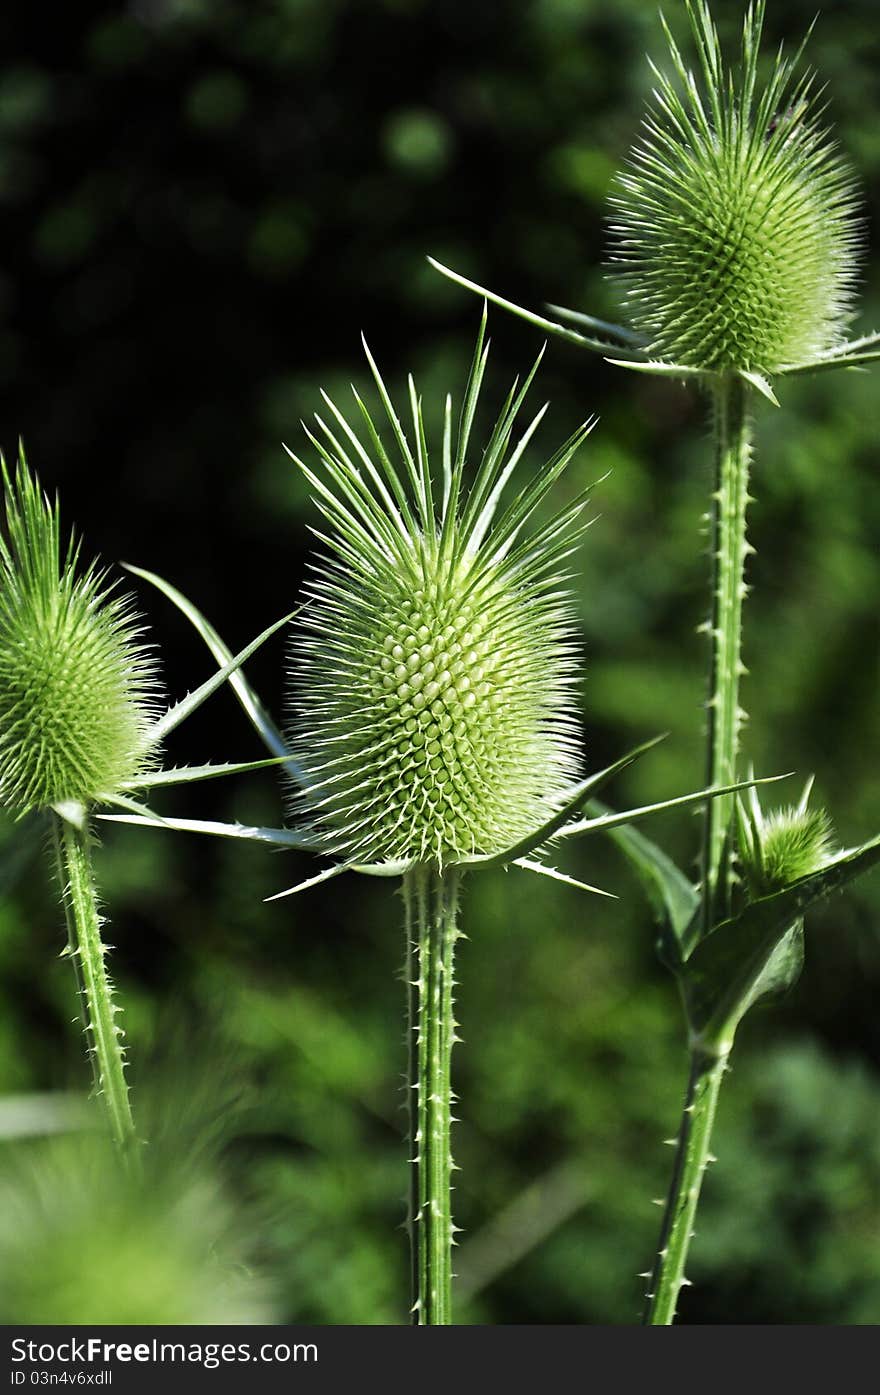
(433, 708)
(734, 233)
(779, 847)
(75, 676)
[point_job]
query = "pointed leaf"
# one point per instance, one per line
(250, 702)
(549, 326)
(626, 336)
(277, 837)
(760, 384)
(329, 872)
(183, 709)
(657, 369)
(612, 820)
(186, 774)
(557, 876)
(822, 365)
(134, 810)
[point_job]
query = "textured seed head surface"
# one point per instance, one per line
(793, 843)
(440, 716)
(433, 700)
(75, 680)
(735, 240)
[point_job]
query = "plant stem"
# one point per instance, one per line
(691, 1159)
(431, 898)
(96, 992)
(732, 438)
(71, 952)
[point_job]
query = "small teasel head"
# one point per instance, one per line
(76, 678)
(782, 845)
(433, 700)
(735, 236)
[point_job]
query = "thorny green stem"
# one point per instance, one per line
(431, 899)
(88, 953)
(70, 952)
(692, 1156)
(732, 436)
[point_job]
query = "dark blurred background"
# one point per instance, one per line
(202, 205)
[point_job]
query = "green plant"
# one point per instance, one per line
(735, 252)
(85, 1241)
(432, 725)
(80, 727)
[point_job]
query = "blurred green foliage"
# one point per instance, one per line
(203, 204)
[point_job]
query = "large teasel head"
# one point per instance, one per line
(735, 239)
(76, 679)
(433, 699)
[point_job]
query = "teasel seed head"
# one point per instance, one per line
(433, 700)
(781, 846)
(735, 237)
(76, 678)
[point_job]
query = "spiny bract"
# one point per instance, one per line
(75, 680)
(782, 846)
(734, 238)
(433, 682)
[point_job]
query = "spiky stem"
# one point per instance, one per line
(732, 436)
(432, 898)
(88, 951)
(71, 952)
(691, 1159)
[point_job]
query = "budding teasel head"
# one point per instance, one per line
(780, 846)
(433, 679)
(76, 679)
(735, 236)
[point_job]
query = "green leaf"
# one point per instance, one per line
(672, 895)
(657, 369)
(186, 774)
(135, 811)
(183, 709)
(245, 693)
(783, 968)
(644, 811)
(277, 837)
(329, 872)
(555, 875)
(734, 963)
(760, 384)
(583, 341)
(626, 336)
(822, 365)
